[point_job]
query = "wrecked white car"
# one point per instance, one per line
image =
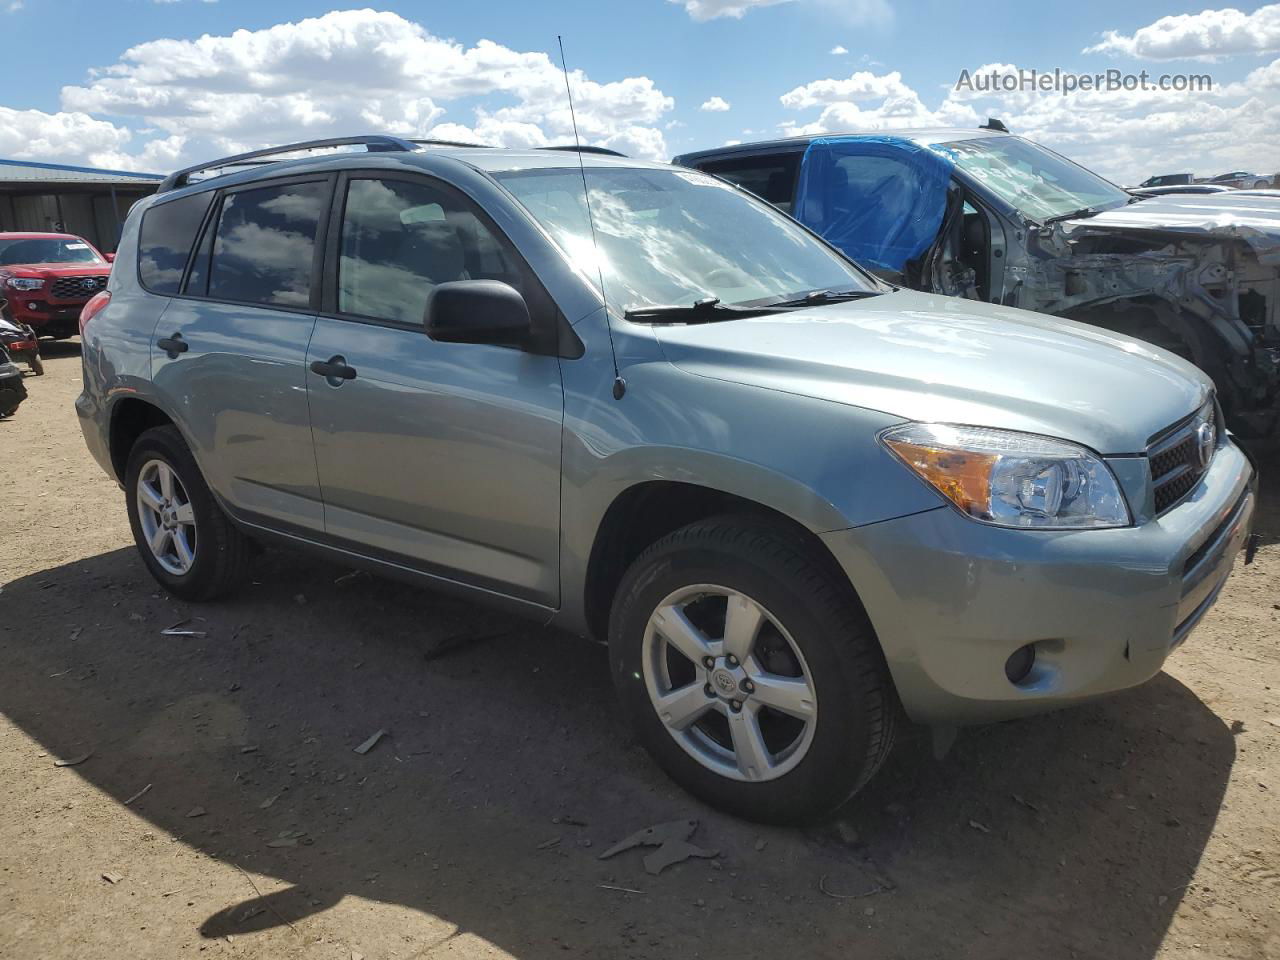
(990, 216)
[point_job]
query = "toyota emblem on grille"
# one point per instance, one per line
(1206, 440)
(89, 283)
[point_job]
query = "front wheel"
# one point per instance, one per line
(750, 671)
(186, 541)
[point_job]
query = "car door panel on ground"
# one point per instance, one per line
(230, 354)
(445, 455)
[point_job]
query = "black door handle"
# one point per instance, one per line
(335, 368)
(173, 345)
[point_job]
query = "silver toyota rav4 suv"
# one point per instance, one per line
(797, 502)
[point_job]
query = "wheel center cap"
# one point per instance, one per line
(725, 683)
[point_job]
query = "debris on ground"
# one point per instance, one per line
(289, 838)
(548, 844)
(196, 812)
(1025, 802)
(73, 760)
(675, 851)
(369, 744)
(672, 841)
(250, 749)
(569, 821)
(609, 886)
(138, 794)
(874, 891)
(979, 826)
(179, 630)
(269, 801)
(112, 878)
(348, 577)
(761, 844)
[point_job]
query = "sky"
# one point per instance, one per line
(153, 84)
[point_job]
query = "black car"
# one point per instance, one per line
(12, 390)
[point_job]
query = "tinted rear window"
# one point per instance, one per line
(164, 242)
(265, 244)
(771, 178)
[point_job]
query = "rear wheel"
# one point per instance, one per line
(750, 671)
(186, 541)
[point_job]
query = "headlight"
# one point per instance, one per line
(25, 283)
(1012, 479)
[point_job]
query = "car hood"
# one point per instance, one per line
(1253, 219)
(57, 269)
(931, 358)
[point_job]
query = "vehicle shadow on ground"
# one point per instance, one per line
(50, 349)
(1074, 832)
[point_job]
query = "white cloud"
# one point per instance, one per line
(715, 105)
(357, 71)
(74, 137)
(1123, 136)
(859, 86)
(711, 9)
(839, 51)
(1206, 35)
(848, 11)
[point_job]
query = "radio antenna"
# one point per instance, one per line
(619, 385)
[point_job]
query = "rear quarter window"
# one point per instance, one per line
(165, 238)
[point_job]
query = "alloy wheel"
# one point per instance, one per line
(167, 518)
(729, 683)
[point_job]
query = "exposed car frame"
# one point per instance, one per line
(1179, 272)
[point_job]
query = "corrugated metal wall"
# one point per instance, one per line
(88, 215)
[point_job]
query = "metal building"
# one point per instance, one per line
(55, 197)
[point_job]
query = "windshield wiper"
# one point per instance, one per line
(817, 297)
(706, 310)
(1082, 212)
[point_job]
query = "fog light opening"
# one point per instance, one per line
(1018, 667)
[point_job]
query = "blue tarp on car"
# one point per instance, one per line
(879, 199)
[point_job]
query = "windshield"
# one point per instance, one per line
(46, 250)
(675, 237)
(1036, 182)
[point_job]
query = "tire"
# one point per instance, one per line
(813, 630)
(37, 366)
(217, 555)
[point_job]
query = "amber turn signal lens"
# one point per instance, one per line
(961, 476)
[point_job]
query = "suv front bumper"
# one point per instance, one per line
(951, 599)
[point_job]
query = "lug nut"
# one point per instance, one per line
(706, 688)
(709, 663)
(749, 686)
(735, 705)
(731, 660)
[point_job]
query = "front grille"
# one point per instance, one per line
(77, 288)
(1181, 455)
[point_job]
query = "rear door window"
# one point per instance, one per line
(164, 242)
(771, 178)
(264, 249)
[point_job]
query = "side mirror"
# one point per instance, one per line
(477, 311)
(109, 257)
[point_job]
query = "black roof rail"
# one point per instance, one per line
(602, 151)
(377, 143)
(447, 143)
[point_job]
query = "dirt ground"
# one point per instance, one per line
(222, 808)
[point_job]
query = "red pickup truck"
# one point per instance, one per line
(45, 278)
